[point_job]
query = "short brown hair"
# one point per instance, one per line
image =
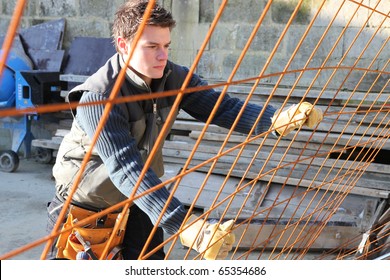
(129, 17)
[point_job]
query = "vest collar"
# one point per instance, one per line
(132, 77)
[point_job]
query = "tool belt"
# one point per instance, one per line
(89, 240)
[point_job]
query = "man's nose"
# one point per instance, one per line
(162, 54)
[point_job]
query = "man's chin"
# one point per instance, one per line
(158, 76)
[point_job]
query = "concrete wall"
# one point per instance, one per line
(194, 17)
(240, 17)
(83, 17)
(94, 18)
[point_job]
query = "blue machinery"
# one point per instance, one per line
(21, 87)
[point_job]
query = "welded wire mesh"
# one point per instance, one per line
(287, 195)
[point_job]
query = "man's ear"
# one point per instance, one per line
(122, 45)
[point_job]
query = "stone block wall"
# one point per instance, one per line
(83, 17)
(344, 42)
(194, 17)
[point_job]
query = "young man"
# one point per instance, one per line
(131, 130)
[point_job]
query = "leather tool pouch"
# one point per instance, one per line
(95, 234)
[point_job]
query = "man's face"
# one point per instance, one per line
(151, 53)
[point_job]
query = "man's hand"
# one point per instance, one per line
(213, 240)
(295, 116)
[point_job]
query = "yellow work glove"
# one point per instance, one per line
(295, 116)
(211, 239)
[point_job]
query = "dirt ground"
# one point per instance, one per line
(24, 195)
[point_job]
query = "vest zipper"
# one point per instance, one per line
(160, 89)
(154, 107)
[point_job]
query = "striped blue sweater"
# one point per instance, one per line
(120, 154)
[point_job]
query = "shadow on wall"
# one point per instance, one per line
(282, 10)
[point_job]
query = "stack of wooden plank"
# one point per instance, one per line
(302, 178)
